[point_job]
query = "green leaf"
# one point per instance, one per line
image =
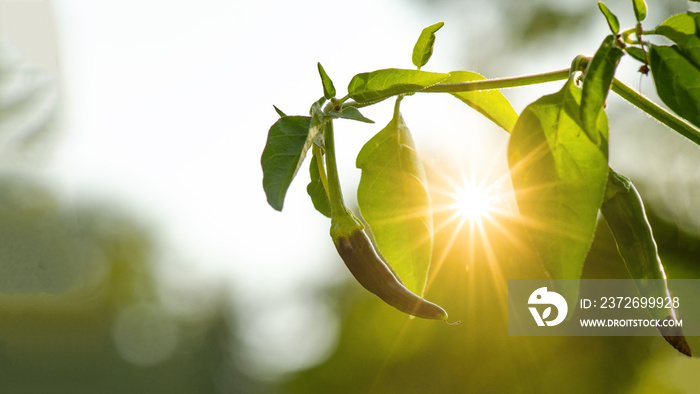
(683, 30)
(490, 103)
(279, 112)
(315, 189)
(613, 23)
(287, 142)
(678, 28)
(351, 113)
(328, 88)
(636, 53)
(393, 198)
(382, 84)
(677, 81)
(423, 49)
(559, 177)
(596, 84)
(318, 120)
(640, 9)
(317, 106)
(624, 212)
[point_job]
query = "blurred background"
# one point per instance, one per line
(138, 253)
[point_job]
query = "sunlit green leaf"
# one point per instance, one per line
(490, 103)
(677, 80)
(640, 9)
(316, 190)
(677, 28)
(596, 84)
(381, 84)
(559, 177)
(351, 113)
(683, 30)
(613, 23)
(423, 49)
(287, 143)
(328, 88)
(393, 198)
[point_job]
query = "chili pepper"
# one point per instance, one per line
(374, 275)
(624, 211)
(358, 252)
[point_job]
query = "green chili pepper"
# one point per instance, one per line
(624, 211)
(359, 254)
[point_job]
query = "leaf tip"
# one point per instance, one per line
(279, 111)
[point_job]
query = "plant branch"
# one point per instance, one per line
(484, 84)
(335, 194)
(499, 83)
(343, 222)
(655, 111)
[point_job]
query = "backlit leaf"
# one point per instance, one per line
(596, 84)
(381, 84)
(423, 49)
(640, 9)
(559, 177)
(490, 103)
(393, 198)
(613, 23)
(677, 28)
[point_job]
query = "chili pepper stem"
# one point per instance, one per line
(343, 222)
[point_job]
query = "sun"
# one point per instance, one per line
(474, 202)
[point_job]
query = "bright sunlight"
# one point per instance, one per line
(473, 202)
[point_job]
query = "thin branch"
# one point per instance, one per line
(655, 111)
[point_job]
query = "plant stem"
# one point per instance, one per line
(343, 222)
(484, 84)
(335, 194)
(499, 83)
(655, 111)
(321, 170)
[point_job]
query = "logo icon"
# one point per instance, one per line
(543, 297)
